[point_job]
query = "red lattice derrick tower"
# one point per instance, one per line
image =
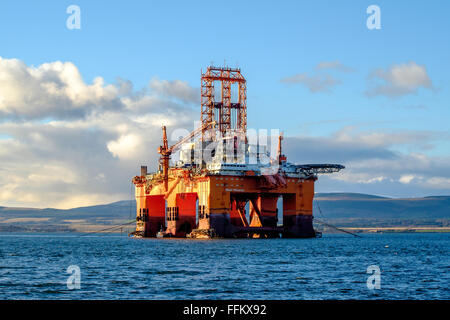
(228, 115)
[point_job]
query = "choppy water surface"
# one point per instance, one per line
(413, 266)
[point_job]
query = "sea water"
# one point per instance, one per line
(73, 266)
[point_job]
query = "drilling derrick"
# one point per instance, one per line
(229, 116)
(220, 186)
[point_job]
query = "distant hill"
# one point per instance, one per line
(355, 205)
(76, 219)
(347, 196)
(342, 209)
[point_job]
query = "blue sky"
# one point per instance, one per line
(270, 41)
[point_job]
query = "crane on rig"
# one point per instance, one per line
(280, 156)
(165, 151)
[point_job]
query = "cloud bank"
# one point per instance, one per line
(65, 142)
(373, 162)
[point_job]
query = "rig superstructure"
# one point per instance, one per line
(225, 183)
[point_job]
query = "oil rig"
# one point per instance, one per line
(225, 184)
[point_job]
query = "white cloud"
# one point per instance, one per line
(358, 177)
(53, 89)
(179, 89)
(386, 138)
(93, 140)
(126, 146)
(320, 81)
(406, 178)
(439, 182)
(315, 83)
(400, 79)
(333, 65)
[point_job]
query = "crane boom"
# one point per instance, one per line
(189, 136)
(165, 151)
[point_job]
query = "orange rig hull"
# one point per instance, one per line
(215, 206)
(226, 184)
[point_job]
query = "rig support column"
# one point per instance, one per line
(297, 212)
(182, 216)
(150, 213)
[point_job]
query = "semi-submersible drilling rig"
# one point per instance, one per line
(225, 183)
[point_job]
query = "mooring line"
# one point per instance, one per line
(110, 228)
(330, 225)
